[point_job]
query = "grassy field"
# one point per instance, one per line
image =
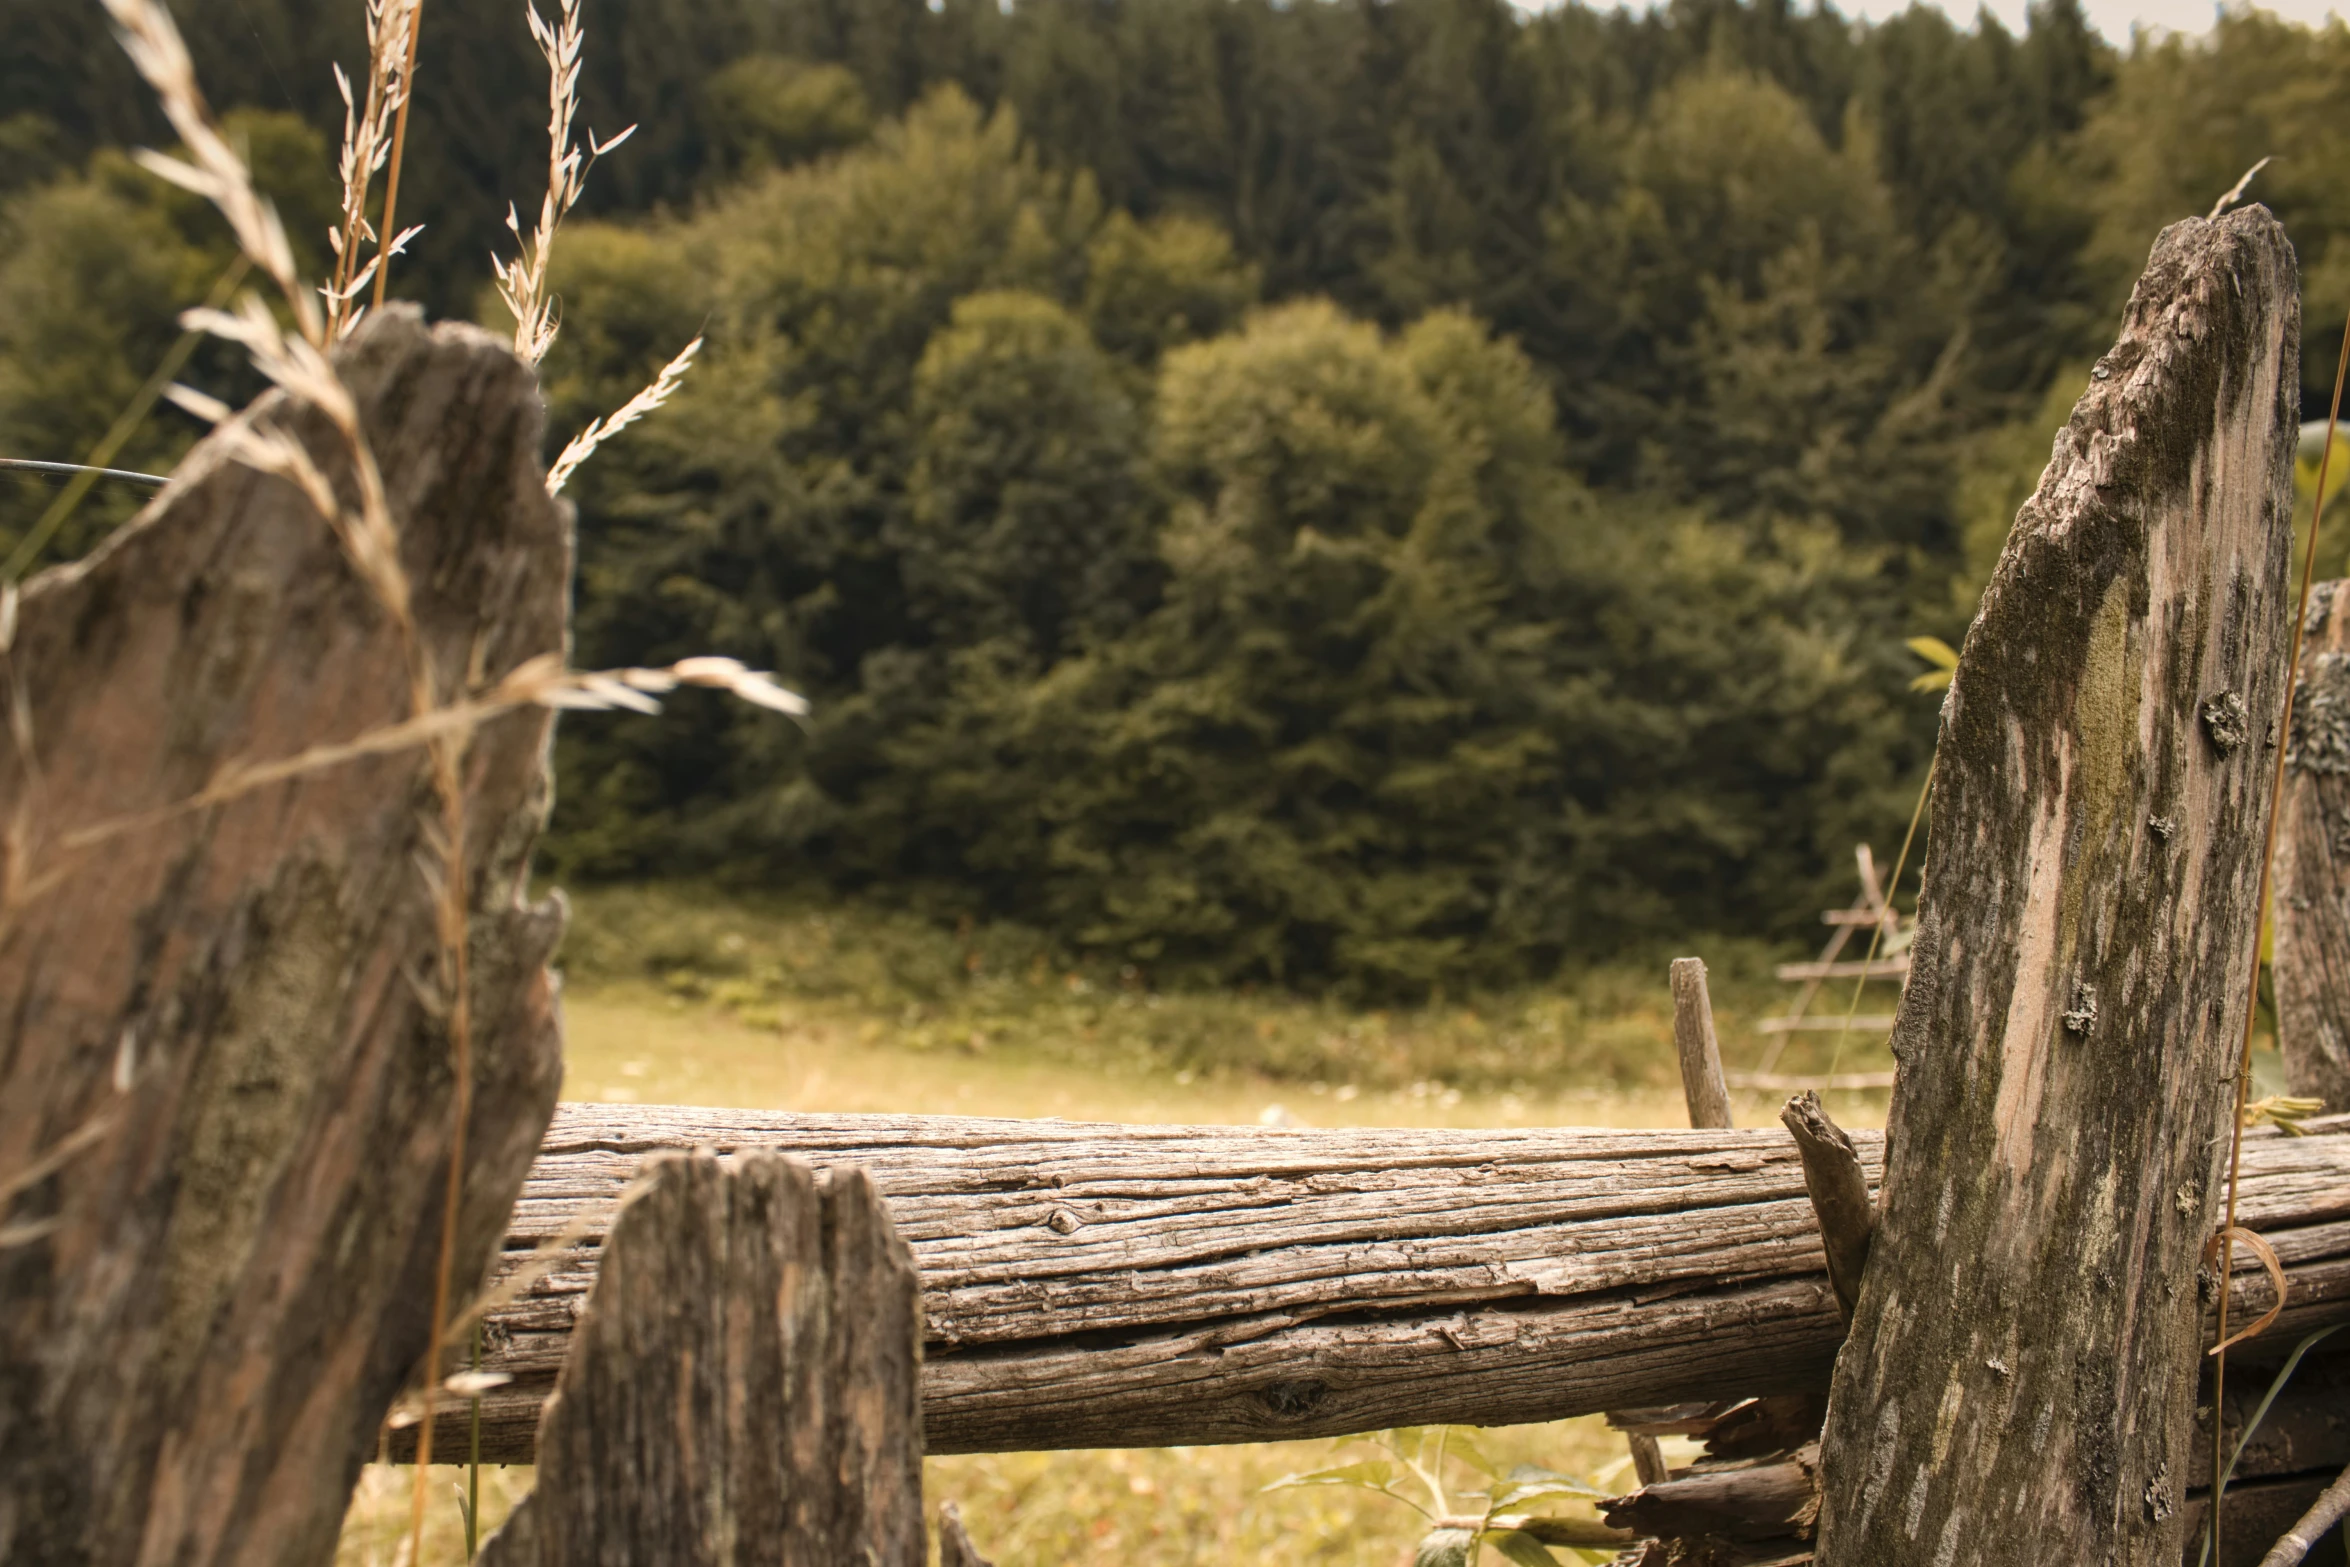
(676, 996)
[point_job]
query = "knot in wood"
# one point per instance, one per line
(1064, 1221)
(2225, 721)
(1292, 1398)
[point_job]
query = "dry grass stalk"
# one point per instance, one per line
(440, 722)
(368, 137)
(583, 445)
(522, 283)
(399, 146)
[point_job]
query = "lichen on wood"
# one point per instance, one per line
(2020, 1379)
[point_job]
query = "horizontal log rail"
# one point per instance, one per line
(1896, 967)
(1115, 1286)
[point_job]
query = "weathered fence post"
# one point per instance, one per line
(2020, 1379)
(2312, 905)
(1700, 1051)
(225, 1077)
(744, 1386)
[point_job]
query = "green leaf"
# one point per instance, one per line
(1518, 1497)
(1461, 1442)
(1528, 1481)
(1446, 1548)
(1934, 651)
(1372, 1474)
(1520, 1547)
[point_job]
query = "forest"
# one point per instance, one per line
(1378, 498)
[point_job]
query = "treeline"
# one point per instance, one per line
(1398, 494)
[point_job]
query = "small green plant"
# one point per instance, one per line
(1500, 1515)
(1941, 655)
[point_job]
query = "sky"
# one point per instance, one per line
(2113, 18)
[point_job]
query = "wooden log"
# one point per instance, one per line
(2312, 905)
(742, 1386)
(228, 1018)
(1700, 1051)
(1116, 1286)
(2306, 1429)
(1839, 1190)
(2020, 1381)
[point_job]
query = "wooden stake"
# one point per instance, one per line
(2019, 1386)
(230, 1274)
(954, 1544)
(1701, 1053)
(2312, 911)
(743, 1388)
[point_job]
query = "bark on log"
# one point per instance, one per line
(2312, 905)
(206, 1309)
(2020, 1381)
(742, 1387)
(1839, 1190)
(1116, 1286)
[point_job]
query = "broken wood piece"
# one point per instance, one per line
(1648, 1458)
(1762, 1502)
(742, 1389)
(1839, 1190)
(235, 1019)
(2311, 909)
(1701, 1053)
(954, 1544)
(2083, 958)
(1232, 1284)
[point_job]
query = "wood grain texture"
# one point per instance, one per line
(1104, 1286)
(2020, 1379)
(222, 1292)
(742, 1389)
(2312, 903)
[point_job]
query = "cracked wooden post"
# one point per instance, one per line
(225, 1083)
(2312, 904)
(2020, 1379)
(743, 1388)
